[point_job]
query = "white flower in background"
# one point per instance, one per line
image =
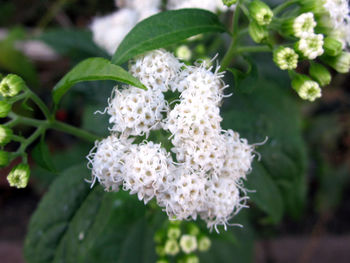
(303, 25)
(211, 5)
(109, 31)
(134, 111)
(312, 46)
(139, 5)
(157, 69)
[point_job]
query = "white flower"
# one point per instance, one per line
(304, 25)
(157, 69)
(285, 58)
(107, 162)
(211, 5)
(135, 111)
(139, 5)
(311, 46)
(109, 31)
(188, 243)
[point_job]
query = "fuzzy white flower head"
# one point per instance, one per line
(338, 11)
(147, 170)
(304, 25)
(107, 162)
(135, 111)
(211, 5)
(188, 243)
(157, 69)
(311, 46)
(109, 31)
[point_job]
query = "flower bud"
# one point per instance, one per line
(228, 3)
(204, 243)
(193, 229)
(171, 247)
(332, 46)
(5, 108)
(257, 33)
(320, 73)
(260, 12)
(19, 176)
(311, 47)
(162, 261)
(306, 88)
(301, 26)
(160, 251)
(5, 135)
(183, 53)
(192, 259)
(285, 58)
(314, 6)
(11, 85)
(340, 63)
(174, 232)
(4, 158)
(188, 243)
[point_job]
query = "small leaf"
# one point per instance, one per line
(166, 28)
(42, 157)
(93, 69)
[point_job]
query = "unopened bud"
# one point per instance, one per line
(285, 58)
(171, 247)
(192, 259)
(340, 63)
(320, 73)
(5, 108)
(260, 12)
(204, 243)
(258, 33)
(4, 158)
(314, 6)
(306, 88)
(188, 243)
(5, 135)
(228, 3)
(19, 176)
(11, 85)
(183, 53)
(301, 26)
(174, 232)
(332, 46)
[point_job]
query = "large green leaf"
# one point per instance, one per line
(164, 29)
(93, 69)
(270, 111)
(76, 224)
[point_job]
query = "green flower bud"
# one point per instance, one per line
(188, 243)
(193, 229)
(258, 33)
(159, 236)
(162, 261)
(306, 88)
(5, 108)
(19, 176)
(11, 85)
(332, 46)
(340, 63)
(285, 58)
(260, 12)
(302, 26)
(320, 73)
(174, 232)
(314, 6)
(192, 259)
(4, 158)
(160, 251)
(204, 243)
(171, 247)
(183, 53)
(5, 135)
(229, 2)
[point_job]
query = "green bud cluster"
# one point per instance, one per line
(180, 241)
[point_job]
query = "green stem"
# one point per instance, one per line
(283, 6)
(16, 119)
(29, 141)
(18, 138)
(41, 105)
(253, 49)
(60, 126)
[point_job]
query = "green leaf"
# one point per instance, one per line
(164, 29)
(76, 224)
(93, 69)
(266, 195)
(270, 111)
(42, 156)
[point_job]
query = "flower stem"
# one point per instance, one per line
(283, 6)
(253, 49)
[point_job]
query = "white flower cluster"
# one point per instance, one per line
(339, 19)
(109, 31)
(205, 179)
